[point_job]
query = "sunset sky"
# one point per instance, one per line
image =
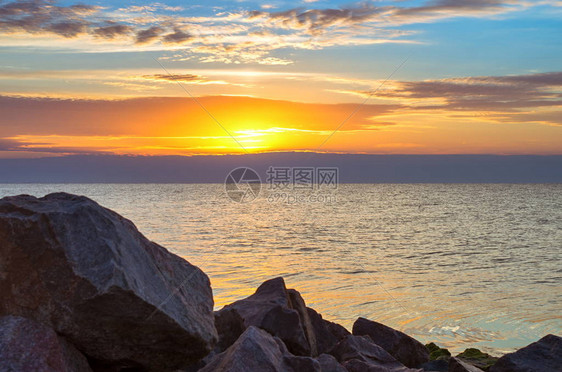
(396, 77)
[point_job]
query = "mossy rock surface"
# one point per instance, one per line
(477, 358)
(437, 353)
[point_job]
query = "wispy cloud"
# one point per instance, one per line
(148, 35)
(111, 30)
(483, 93)
(532, 98)
(188, 79)
(316, 21)
(37, 16)
(237, 37)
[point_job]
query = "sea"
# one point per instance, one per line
(461, 265)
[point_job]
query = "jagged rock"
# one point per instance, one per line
(327, 334)
(438, 365)
(359, 353)
(285, 323)
(268, 308)
(302, 364)
(406, 349)
(95, 279)
(477, 358)
(283, 313)
(297, 303)
(457, 365)
(335, 329)
(543, 355)
(26, 345)
(355, 365)
(329, 364)
(257, 350)
(230, 326)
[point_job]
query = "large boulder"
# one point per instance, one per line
(438, 365)
(26, 345)
(257, 350)
(296, 302)
(283, 313)
(406, 349)
(329, 364)
(230, 325)
(269, 309)
(326, 333)
(95, 279)
(359, 353)
(543, 355)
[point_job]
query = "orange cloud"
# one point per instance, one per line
(180, 126)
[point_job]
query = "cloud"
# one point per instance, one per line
(38, 16)
(544, 79)
(182, 77)
(245, 36)
(18, 145)
(484, 93)
(317, 20)
(112, 30)
(437, 6)
(7, 144)
(144, 116)
(442, 9)
(67, 29)
(187, 78)
(176, 37)
(419, 112)
(532, 98)
(151, 8)
(148, 35)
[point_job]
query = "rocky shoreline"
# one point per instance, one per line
(83, 290)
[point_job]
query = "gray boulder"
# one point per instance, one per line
(296, 302)
(257, 350)
(359, 353)
(230, 325)
(329, 364)
(269, 309)
(283, 313)
(95, 279)
(326, 333)
(439, 365)
(457, 365)
(26, 345)
(406, 349)
(541, 356)
(335, 329)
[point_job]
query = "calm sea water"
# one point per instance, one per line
(460, 265)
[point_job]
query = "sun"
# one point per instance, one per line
(254, 140)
